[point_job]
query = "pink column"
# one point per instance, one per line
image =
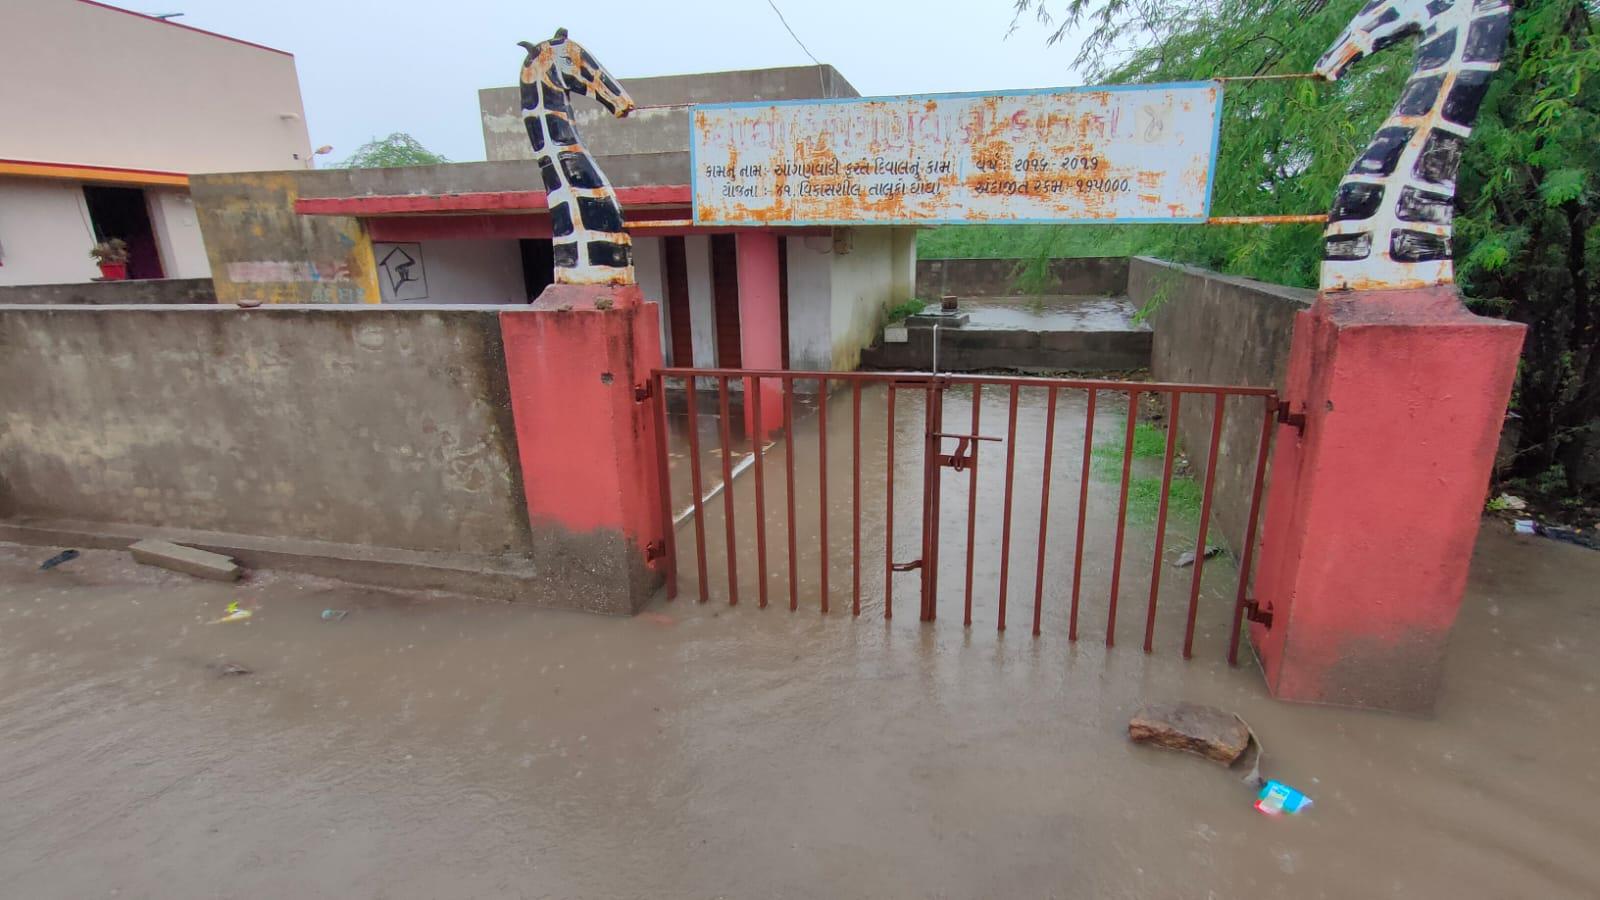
(760, 324)
(575, 360)
(1374, 509)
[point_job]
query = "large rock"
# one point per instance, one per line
(1192, 728)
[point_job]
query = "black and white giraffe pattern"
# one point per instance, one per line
(1390, 225)
(589, 241)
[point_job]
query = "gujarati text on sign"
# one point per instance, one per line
(1142, 153)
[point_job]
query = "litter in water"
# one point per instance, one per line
(59, 558)
(234, 614)
(334, 615)
(1277, 798)
(1187, 559)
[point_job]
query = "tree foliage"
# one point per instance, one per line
(1526, 229)
(398, 149)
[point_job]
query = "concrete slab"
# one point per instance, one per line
(200, 563)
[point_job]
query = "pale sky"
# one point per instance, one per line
(368, 68)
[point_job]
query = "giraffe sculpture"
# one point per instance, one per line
(589, 242)
(1390, 224)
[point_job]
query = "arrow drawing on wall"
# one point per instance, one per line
(398, 269)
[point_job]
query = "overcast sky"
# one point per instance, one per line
(370, 68)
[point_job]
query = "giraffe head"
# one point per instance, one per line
(1379, 24)
(577, 71)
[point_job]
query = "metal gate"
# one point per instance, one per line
(753, 414)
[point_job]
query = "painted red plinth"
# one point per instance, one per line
(761, 325)
(1373, 510)
(586, 440)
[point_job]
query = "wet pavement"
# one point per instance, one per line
(434, 746)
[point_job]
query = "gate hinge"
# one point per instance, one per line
(654, 550)
(1294, 420)
(1254, 612)
(907, 566)
(643, 392)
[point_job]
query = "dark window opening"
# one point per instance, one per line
(122, 213)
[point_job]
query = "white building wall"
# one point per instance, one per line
(651, 278)
(702, 318)
(863, 288)
(810, 302)
(44, 233)
(183, 251)
(903, 259)
(465, 271)
(87, 84)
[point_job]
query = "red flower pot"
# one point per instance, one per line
(113, 271)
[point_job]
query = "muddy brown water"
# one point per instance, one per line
(435, 746)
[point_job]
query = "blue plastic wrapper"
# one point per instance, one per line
(1277, 798)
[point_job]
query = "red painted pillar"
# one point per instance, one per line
(575, 359)
(761, 325)
(1374, 507)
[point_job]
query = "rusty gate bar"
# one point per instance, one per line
(1248, 554)
(822, 480)
(1161, 518)
(933, 418)
(1005, 516)
(1044, 508)
(727, 491)
(1200, 548)
(855, 498)
(972, 499)
(888, 520)
(755, 430)
(694, 484)
(1083, 509)
(669, 538)
(788, 464)
(1122, 517)
(758, 441)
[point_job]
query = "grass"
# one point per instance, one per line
(1144, 491)
(905, 309)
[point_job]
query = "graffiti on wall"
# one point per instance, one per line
(1115, 154)
(587, 236)
(1390, 225)
(296, 281)
(402, 272)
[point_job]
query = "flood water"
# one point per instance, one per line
(435, 746)
(1050, 313)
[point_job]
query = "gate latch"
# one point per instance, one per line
(965, 456)
(1254, 612)
(906, 567)
(642, 392)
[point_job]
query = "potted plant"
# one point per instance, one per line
(112, 257)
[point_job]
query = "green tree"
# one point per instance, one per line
(1526, 227)
(398, 149)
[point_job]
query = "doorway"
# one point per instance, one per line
(117, 212)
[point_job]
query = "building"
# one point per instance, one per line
(108, 113)
(480, 233)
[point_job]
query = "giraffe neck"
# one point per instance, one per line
(588, 242)
(1390, 226)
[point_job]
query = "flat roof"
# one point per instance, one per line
(224, 37)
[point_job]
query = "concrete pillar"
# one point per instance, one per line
(574, 361)
(1374, 508)
(760, 325)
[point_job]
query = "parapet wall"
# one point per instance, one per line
(1217, 329)
(335, 433)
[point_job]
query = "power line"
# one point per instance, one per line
(820, 81)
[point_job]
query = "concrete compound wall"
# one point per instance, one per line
(1099, 276)
(1217, 329)
(109, 293)
(386, 427)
